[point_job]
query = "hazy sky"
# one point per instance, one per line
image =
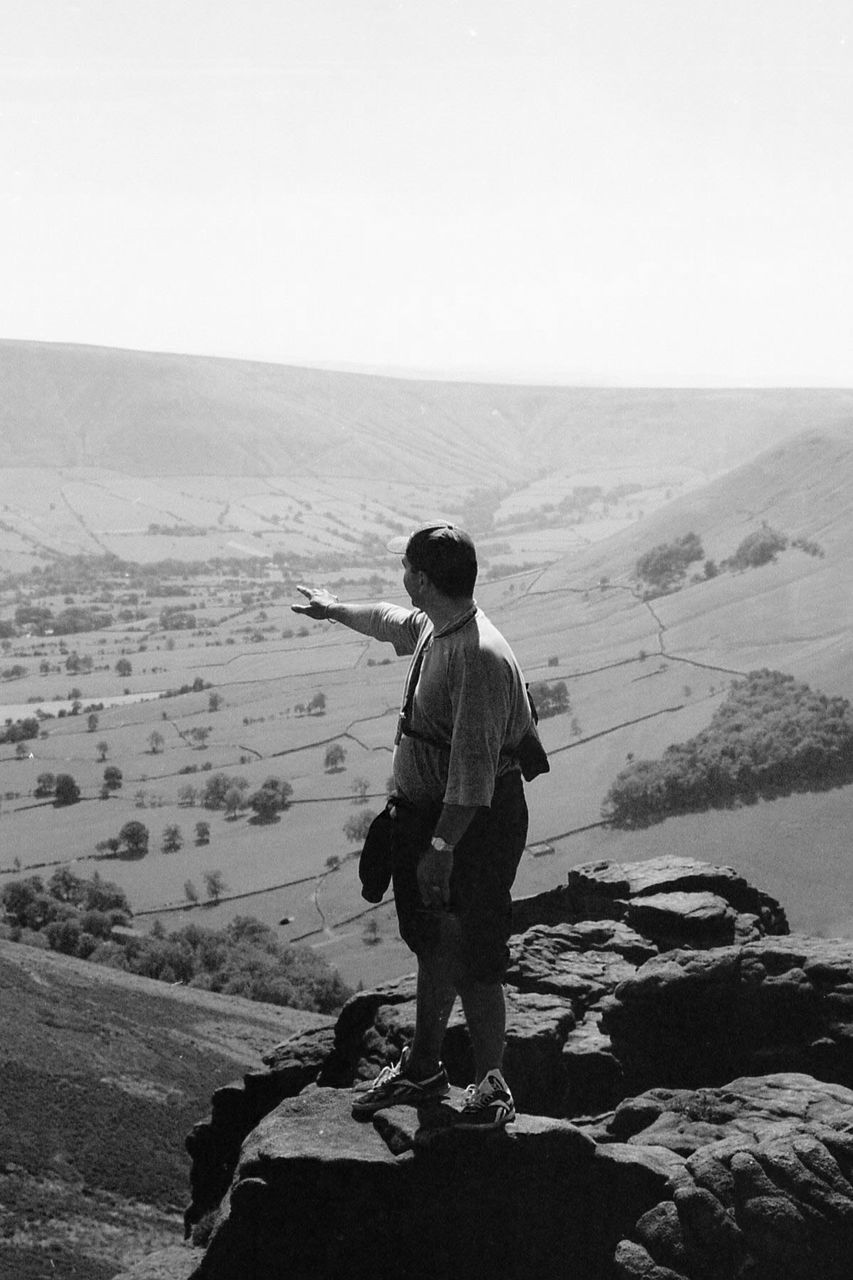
(618, 191)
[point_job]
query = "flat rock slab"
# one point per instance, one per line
(609, 889)
(319, 1194)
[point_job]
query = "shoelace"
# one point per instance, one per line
(386, 1074)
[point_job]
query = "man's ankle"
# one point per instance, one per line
(419, 1068)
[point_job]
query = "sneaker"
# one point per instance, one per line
(393, 1087)
(487, 1105)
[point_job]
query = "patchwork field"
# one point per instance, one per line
(639, 675)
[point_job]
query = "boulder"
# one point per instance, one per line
(606, 890)
(766, 1189)
(687, 1018)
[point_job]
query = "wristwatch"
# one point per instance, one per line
(441, 846)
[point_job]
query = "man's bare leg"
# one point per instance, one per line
(485, 1013)
(436, 993)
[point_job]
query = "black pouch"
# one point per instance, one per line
(376, 862)
(531, 755)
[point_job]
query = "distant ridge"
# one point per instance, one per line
(802, 486)
(148, 413)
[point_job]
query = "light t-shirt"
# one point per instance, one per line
(470, 693)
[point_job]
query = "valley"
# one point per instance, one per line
(196, 666)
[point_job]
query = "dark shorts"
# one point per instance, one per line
(484, 866)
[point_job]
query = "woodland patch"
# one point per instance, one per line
(773, 735)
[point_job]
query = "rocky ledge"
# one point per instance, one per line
(682, 1069)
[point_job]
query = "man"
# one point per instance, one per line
(460, 818)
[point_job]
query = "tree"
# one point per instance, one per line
(202, 832)
(45, 784)
(91, 722)
(187, 795)
(156, 742)
(214, 885)
(335, 757)
(371, 935)
(758, 548)
(215, 790)
(359, 790)
(172, 839)
(112, 778)
(133, 837)
(66, 790)
(190, 892)
(357, 827)
(233, 801)
(19, 896)
(214, 700)
(664, 566)
(124, 667)
(102, 750)
(200, 735)
(550, 698)
(65, 886)
(317, 703)
(269, 800)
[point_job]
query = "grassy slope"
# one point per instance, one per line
(151, 414)
(103, 1075)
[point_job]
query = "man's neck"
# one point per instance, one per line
(445, 610)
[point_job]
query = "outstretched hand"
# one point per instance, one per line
(319, 600)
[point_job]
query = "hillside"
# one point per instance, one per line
(103, 1076)
(148, 414)
(803, 485)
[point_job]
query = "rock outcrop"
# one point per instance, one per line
(682, 1069)
(766, 1188)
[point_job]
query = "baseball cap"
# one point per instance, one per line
(440, 549)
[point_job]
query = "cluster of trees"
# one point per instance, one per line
(177, 618)
(73, 913)
(550, 697)
(764, 544)
(91, 919)
(317, 704)
(664, 567)
(64, 789)
(223, 791)
(757, 548)
(131, 841)
(39, 619)
(771, 736)
(20, 730)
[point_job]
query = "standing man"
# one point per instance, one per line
(460, 817)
